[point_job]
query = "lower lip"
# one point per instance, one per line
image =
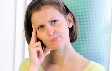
(54, 39)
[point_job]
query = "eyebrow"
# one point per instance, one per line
(48, 21)
(40, 25)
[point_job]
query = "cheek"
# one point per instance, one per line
(65, 31)
(64, 28)
(40, 36)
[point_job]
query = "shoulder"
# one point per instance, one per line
(24, 65)
(93, 66)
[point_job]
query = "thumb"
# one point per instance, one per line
(46, 50)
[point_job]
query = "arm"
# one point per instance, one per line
(32, 68)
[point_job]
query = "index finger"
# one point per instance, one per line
(34, 37)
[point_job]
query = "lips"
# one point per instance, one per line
(54, 39)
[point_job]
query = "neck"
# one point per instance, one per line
(62, 55)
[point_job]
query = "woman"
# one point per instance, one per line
(51, 26)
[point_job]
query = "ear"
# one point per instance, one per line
(70, 20)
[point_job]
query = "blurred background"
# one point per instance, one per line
(94, 18)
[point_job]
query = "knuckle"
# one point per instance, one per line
(36, 46)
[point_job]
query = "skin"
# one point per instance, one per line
(48, 23)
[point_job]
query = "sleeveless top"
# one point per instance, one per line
(92, 66)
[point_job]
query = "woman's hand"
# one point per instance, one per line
(36, 53)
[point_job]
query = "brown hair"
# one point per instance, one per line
(60, 6)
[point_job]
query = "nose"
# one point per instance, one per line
(50, 31)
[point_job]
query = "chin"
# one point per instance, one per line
(55, 46)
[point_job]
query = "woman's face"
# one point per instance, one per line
(51, 27)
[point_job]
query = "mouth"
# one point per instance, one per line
(54, 39)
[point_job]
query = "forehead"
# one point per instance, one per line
(45, 14)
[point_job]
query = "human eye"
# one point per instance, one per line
(40, 27)
(54, 21)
